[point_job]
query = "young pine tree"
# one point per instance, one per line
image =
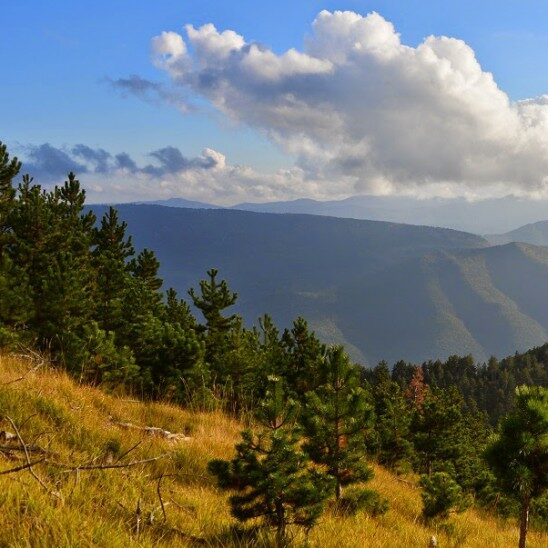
(110, 255)
(518, 455)
(305, 354)
(336, 417)
(271, 474)
(215, 297)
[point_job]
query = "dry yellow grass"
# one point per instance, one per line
(77, 424)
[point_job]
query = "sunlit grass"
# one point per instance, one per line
(77, 425)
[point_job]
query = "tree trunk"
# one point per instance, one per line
(524, 522)
(337, 489)
(280, 529)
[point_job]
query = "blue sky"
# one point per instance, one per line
(58, 55)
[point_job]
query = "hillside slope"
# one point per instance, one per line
(80, 426)
(385, 290)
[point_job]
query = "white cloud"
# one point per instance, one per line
(363, 112)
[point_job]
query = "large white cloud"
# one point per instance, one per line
(363, 112)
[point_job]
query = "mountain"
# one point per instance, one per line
(181, 202)
(481, 216)
(534, 233)
(386, 290)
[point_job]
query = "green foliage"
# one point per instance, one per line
(305, 354)
(441, 495)
(518, 454)
(390, 440)
(357, 499)
(336, 417)
(272, 476)
(111, 251)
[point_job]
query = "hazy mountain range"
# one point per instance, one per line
(534, 233)
(481, 217)
(386, 290)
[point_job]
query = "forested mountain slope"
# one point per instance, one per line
(387, 291)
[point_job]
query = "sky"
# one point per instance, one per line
(257, 101)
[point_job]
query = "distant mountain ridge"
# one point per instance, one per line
(385, 290)
(489, 216)
(534, 233)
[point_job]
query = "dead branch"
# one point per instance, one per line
(128, 451)
(27, 457)
(152, 431)
(24, 376)
(109, 466)
(22, 467)
(159, 491)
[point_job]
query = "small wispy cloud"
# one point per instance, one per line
(149, 91)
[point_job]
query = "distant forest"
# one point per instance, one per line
(73, 288)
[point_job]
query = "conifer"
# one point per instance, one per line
(271, 475)
(336, 417)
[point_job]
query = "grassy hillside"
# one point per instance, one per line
(386, 291)
(73, 426)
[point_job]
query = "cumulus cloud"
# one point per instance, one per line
(363, 112)
(119, 177)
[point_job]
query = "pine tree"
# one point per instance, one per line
(111, 252)
(390, 439)
(178, 311)
(215, 297)
(518, 455)
(146, 268)
(305, 354)
(336, 418)
(442, 495)
(9, 169)
(271, 474)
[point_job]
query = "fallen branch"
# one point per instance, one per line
(108, 466)
(29, 448)
(153, 431)
(24, 376)
(27, 457)
(22, 467)
(159, 491)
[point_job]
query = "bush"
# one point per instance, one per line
(364, 500)
(441, 495)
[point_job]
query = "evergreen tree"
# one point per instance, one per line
(9, 169)
(271, 474)
(178, 311)
(336, 418)
(442, 495)
(111, 252)
(145, 268)
(390, 439)
(215, 297)
(518, 455)
(305, 354)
